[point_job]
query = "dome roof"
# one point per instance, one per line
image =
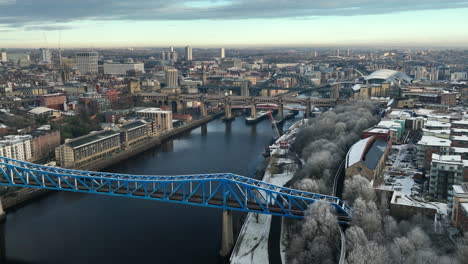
(389, 76)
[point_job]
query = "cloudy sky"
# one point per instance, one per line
(230, 23)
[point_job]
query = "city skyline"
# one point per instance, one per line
(143, 23)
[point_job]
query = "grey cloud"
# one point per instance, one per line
(47, 27)
(23, 13)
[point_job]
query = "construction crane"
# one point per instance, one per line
(273, 124)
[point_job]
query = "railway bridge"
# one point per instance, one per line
(230, 100)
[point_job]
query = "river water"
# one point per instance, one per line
(82, 228)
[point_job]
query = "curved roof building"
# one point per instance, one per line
(388, 76)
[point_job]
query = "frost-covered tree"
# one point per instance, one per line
(318, 239)
(358, 187)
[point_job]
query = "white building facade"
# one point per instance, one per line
(17, 147)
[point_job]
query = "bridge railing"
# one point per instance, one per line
(223, 190)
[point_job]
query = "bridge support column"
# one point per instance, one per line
(227, 112)
(245, 88)
(180, 107)
(227, 240)
(280, 111)
(2, 234)
(203, 112)
(335, 91)
(253, 110)
(308, 110)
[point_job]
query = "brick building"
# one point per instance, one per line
(55, 101)
(460, 207)
(44, 143)
(367, 158)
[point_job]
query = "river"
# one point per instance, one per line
(82, 228)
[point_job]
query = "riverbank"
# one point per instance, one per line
(146, 145)
(25, 195)
(253, 244)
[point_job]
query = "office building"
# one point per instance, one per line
(163, 119)
(122, 68)
(172, 78)
(222, 53)
(81, 150)
(18, 57)
(188, 53)
(3, 56)
(46, 56)
(87, 62)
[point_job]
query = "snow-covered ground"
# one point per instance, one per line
(252, 244)
(399, 177)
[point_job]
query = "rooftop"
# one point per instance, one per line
(375, 153)
(90, 138)
(355, 152)
(434, 141)
(134, 124)
(460, 138)
(463, 188)
(459, 150)
(366, 153)
(433, 123)
(41, 110)
(378, 130)
(152, 110)
(446, 158)
(460, 122)
(389, 75)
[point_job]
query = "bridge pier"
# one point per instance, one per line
(308, 110)
(253, 111)
(335, 91)
(227, 240)
(280, 111)
(2, 234)
(228, 112)
(203, 112)
(180, 107)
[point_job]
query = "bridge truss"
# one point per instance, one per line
(224, 190)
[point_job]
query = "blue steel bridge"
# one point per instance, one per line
(221, 190)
